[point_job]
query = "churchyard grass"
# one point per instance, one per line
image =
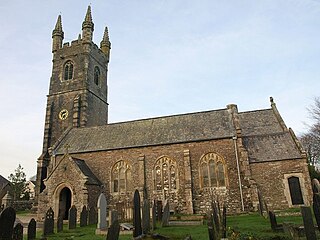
(251, 226)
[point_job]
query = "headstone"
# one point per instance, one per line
(154, 215)
(315, 185)
(266, 209)
(114, 216)
(316, 208)
(159, 210)
(73, 217)
(166, 215)
(260, 206)
(93, 216)
(32, 228)
(137, 231)
(60, 223)
(48, 224)
(273, 221)
(224, 221)
(102, 213)
(7, 219)
(84, 217)
(146, 217)
(114, 230)
(17, 232)
(210, 224)
(308, 223)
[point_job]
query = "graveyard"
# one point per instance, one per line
(150, 223)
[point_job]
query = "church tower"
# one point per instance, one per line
(78, 88)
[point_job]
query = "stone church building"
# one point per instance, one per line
(187, 159)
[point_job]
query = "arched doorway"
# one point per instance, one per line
(64, 202)
(295, 190)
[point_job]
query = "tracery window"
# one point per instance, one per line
(68, 70)
(97, 76)
(121, 177)
(212, 171)
(165, 174)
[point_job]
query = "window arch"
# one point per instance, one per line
(165, 174)
(97, 75)
(121, 177)
(68, 70)
(212, 171)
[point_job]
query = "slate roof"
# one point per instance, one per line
(3, 182)
(263, 135)
(148, 132)
(92, 179)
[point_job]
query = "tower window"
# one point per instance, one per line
(212, 171)
(68, 70)
(96, 76)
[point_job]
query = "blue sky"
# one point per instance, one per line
(167, 57)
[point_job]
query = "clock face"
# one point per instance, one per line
(63, 114)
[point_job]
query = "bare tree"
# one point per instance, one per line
(311, 139)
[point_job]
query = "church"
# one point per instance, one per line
(189, 159)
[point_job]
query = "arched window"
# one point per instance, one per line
(121, 177)
(165, 174)
(96, 76)
(68, 70)
(212, 171)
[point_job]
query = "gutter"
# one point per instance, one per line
(238, 169)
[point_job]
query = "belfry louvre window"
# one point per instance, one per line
(165, 174)
(121, 177)
(68, 70)
(212, 171)
(96, 76)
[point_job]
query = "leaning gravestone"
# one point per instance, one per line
(166, 215)
(84, 217)
(224, 221)
(316, 208)
(137, 231)
(7, 219)
(48, 224)
(210, 224)
(273, 221)
(73, 217)
(308, 223)
(146, 217)
(102, 213)
(260, 206)
(93, 216)
(32, 227)
(113, 231)
(17, 232)
(315, 185)
(114, 216)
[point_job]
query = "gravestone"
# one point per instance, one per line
(159, 210)
(48, 224)
(32, 228)
(93, 216)
(166, 215)
(154, 215)
(137, 231)
(17, 232)
(114, 216)
(73, 217)
(315, 186)
(146, 217)
(84, 217)
(102, 213)
(273, 221)
(216, 218)
(224, 221)
(113, 231)
(260, 205)
(316, 208)
(7, 219)
(60, 223)
(308, 223)
(211, 231)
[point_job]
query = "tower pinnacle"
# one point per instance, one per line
(87, 27)
(57, 35)
(105, 44)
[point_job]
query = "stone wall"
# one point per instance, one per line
(271, 178)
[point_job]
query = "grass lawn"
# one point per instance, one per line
(247, 226)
